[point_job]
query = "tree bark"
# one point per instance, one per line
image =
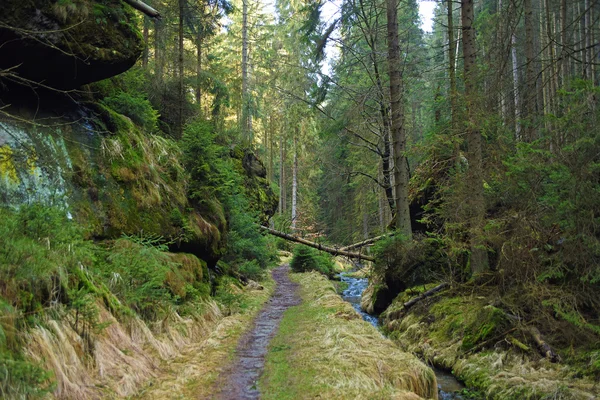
(318, 246)
(398, 313)
(180, 65)
(159, 56)
(145, 35)
(199, 44)
(516, 98)
(398, 134)
(282, 194)
(246, 124)
(144, 8)
(529, 98)
(295, 182)
(366, 242)
(474, 181)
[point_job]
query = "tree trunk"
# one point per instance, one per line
(144, 8)
(180, 64)
(159, 56)
(516, 97)
(282, 194)
(318, 246)
(397, 123)
(529, 99)
(295, 182)
(564, 70)
(146, 35)
(451, 65)
(199, 40)
(246, 127)
(588, 40)
(474, 180)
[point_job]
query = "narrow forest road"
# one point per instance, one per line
(240, 380)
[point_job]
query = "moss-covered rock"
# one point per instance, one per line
(127, 182)
(467, 335)
(68, 43)
(263, 199)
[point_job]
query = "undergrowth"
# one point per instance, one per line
(48, 269)
(307, 259)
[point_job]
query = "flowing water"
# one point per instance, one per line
(447, 384)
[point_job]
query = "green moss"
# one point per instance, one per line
(489, 322)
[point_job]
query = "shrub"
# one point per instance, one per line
(308, 259)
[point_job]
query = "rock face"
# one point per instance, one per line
(263, 199)
(65, 44)
(126, 183)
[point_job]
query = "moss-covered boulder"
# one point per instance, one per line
(68, 43)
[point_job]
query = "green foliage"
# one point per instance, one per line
(22, 379)
(126, 94)
(136, 107)
(308, 259)
(138, 268)
(214, 176)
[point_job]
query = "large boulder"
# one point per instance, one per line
(68, 43)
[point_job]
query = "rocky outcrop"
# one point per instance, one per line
(65, 44)
(125, 183)
(263, 199)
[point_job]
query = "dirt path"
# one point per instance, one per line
(240, 380)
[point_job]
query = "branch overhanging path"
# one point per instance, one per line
(331, 250)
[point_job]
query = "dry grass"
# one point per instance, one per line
(501, 374)
(194, 372)
(176, 355)
(325, 350)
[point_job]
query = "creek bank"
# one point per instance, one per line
(323, 349)
(448, 385)
(465, 334)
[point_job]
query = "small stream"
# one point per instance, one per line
(448, 385)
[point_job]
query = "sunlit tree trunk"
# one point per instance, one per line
(282, 193)
(474, 180)
(398, 134)
(199, 44)
(180, 65)
(516, 98)
(246, 117)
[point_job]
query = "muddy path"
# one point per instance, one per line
(240, 380)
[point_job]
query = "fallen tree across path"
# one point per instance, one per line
(331, 250)
(366, 242)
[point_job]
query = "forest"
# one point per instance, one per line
(162, 162)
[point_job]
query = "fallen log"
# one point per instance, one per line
(318, 246)
(543, 347)
(144, 8)
(396, 314)
(366, 242)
